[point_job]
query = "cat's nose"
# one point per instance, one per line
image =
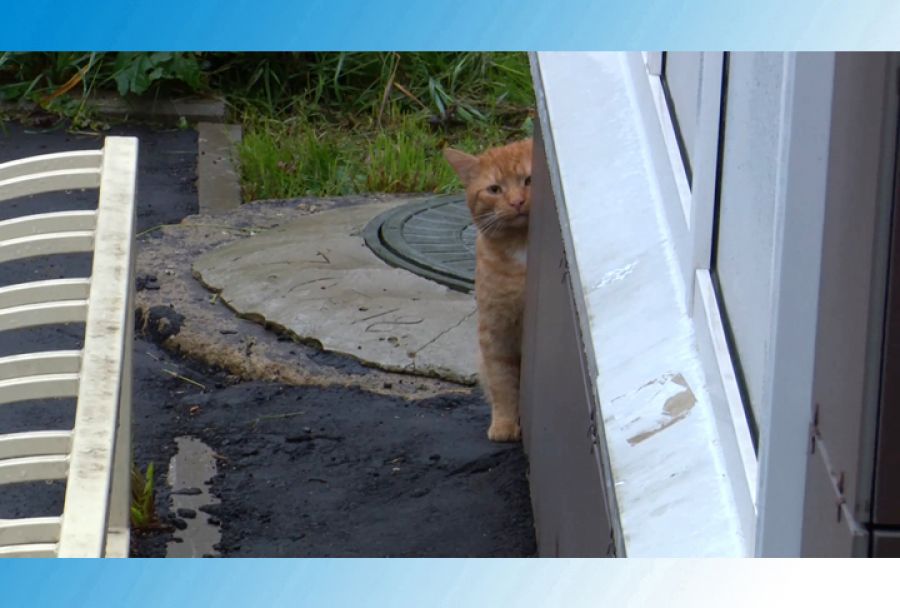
(518, 205)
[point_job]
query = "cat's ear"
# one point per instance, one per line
(464, 164)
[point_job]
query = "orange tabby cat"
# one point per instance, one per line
(498, 193)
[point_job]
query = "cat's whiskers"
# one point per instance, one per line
(490, 229)
(488, 223)
(484, 217)
(495, 228)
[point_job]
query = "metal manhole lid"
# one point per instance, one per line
(433, 238)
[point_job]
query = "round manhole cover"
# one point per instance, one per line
(433, 238)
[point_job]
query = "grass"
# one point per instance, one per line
(315, 124)
(300, 157)
(377, 122)
(143, 499)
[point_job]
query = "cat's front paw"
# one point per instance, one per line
(504, 430)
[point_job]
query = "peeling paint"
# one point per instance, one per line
(615, 275)
(662, 380)
(676, 408)
(680, 404)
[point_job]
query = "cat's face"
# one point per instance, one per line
(498, 185)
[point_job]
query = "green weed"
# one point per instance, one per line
(143, 499)
(317, 124)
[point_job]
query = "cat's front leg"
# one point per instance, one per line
(500, 378)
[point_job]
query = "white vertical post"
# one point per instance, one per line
(98, 417)
(788, 380)
(118, 542)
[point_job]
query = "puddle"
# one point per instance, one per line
(190, 470)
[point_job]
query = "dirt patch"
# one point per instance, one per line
(311, 471)
(331, 470)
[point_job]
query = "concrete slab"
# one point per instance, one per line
(167, 111)
(192, 109)
(317, 279)
(178, 312)
(218, 182)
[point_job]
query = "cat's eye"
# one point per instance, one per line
(494, 189)
(528, 181)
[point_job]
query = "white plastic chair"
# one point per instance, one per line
(95, 456)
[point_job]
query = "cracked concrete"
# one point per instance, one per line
(191, 320)
(315, 278)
